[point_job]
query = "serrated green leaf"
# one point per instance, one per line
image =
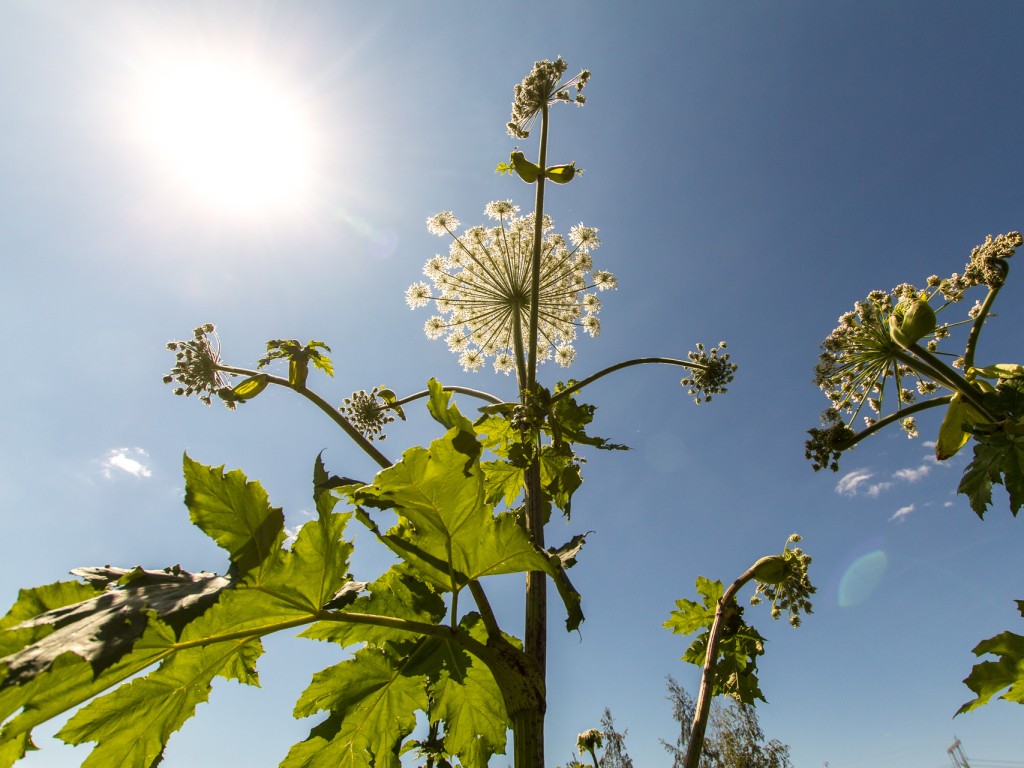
(998, 458)
(468, 700)
(394, 594)
(449, 534)
(104, 628)
(236, 514)
(32, 603)
(132, 724)
(70, 681)
(559, 475)
(372, 705)
(991, 677)
(13, 750)
(689, 617)
(496, 431)
(444, 412)
(568, 420)
(447, 531)
(503, 481)
(315, 569)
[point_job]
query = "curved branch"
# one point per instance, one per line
(486, 396)
(625, 364)
(886, 421)
(703, 706)
(335, 415)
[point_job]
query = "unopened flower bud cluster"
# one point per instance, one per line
(368, 413)
(794, 593)
(710, 373)
(197, 366)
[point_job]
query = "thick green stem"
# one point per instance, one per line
(528, 725)
(954, 379)
(726, 609)
(538, 233)
(979, 321)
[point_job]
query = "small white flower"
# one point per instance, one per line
(442, 223)
(503, 363)
(434, 327)
(584, 238)
(605, 281)
(471, 360)
(564, 355)
(417, 295)
(500, 209)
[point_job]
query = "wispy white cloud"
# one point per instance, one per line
(902, 512)
(858, 481)
(876, 488)
(851, 482)
(912, 475)
(129, 460)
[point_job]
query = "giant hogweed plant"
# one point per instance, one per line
(885, 363)
(472, 504)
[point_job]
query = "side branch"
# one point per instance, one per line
(625, 364)
(479, 394)
(369, 448)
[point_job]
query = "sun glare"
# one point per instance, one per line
(232, 137)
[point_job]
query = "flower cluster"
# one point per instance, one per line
(894, 336)
(368, 412)
(482, 289)
(197, 366)
(710, 374)
(827, 444)
(988, 260)
(789, 589)
(862, 354)
(540, 88)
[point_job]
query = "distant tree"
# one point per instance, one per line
(734, 737)
(615, 755)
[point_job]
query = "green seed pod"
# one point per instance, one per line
(952, 436)
(244, 390)
(561, 174)
(771, 569)
(999, 371)
(528, 172)
(298, 370)
(912, 320)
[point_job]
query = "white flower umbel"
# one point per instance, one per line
(481, 289)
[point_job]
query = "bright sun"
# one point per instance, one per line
(232, 137)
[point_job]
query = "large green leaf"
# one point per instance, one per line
(998, 458)
(739, 644)
(1006, 674)
(468, 700)
(395, 595)
(448, 531)
(236, 514)
(132, 724)
(70, 681)
(66, 643)
(104, 628)
(372, 704)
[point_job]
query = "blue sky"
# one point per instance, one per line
(753, 169)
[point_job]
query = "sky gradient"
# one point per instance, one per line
(753, 169)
